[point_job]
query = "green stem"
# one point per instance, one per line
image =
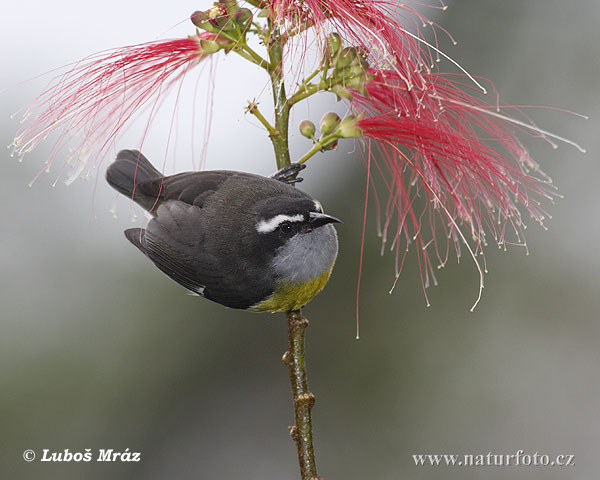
(256, 58)
(244, 51)
(303, 92)
(282, 108)
(253, 109)
(319, 146)
(304, 400)
(312, 75)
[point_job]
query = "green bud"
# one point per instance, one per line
(349, 127)
(205, 21)
(362, 59)
(210, 46)
(341, 92)
(224, 23)
(358, 83)
(230, 5)
(264, 13)
(329, 122)
(216, 11)
(362, 52)
(347, 57)
(364, 64)
(342, 76)
(333, 44)
(199, 18)
(243, 18)
(307, 128)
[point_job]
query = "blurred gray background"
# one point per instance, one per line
(99, 350)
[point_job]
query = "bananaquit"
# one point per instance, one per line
(241, 240)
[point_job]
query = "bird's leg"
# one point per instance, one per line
(288, 174)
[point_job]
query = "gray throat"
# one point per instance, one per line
(306, 256)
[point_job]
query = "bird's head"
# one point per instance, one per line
(300, 236)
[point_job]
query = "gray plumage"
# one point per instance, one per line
(203, 234)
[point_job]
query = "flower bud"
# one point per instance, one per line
(347, 57)
(349, 127)
(329, 122)
(230, 6)
(224, 23)
(217, 10)
(333, 44)
(341, 92)
(265, 12)
(362, 53)
(209, 46)
(207, 20)
(243, 18)
(307, 128)
(364, 63)
(358, 83)
(199, 18)
(342, 76)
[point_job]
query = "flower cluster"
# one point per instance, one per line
(436, 153)
(89, 105)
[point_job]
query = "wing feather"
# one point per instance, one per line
(174, 242)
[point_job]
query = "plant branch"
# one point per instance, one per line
(306, 89)
(253, 109)
(303, 92)
(312, 75)
(304, 400)
(280, 101)
(319, 146)
(246, 52)
(256, 57)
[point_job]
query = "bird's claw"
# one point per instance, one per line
(288, 174)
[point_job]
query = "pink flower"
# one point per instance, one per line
(455, 171)
(382, 28)
(89, 105)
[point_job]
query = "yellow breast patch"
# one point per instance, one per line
(292, 296)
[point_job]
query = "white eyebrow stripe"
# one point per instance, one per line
(318, 206)
(270, 225)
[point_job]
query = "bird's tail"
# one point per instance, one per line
(128, 171)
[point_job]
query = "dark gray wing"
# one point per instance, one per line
(174, 241)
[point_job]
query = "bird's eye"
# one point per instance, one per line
(286, 228)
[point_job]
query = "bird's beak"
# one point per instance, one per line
(320, 219)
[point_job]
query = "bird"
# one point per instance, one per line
(241, 240)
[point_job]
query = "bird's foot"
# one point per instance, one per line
(288, 174)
